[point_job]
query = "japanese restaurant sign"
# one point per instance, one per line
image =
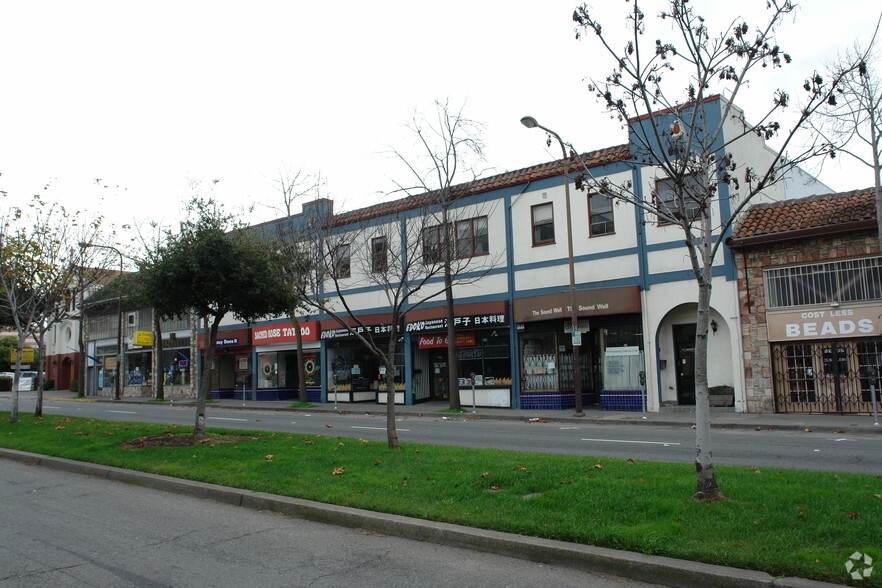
(475, 320)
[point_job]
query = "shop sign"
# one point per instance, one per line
(432, 341)
(144, 338)
(342, 333)
(27, 355)
(471, 321)
(228, 342)
(309, 331)
(599, 301)
(829, 323)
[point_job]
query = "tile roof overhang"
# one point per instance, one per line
(499, 181)
(803, 218)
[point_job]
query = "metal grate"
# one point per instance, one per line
(826, 377)
(851, 280)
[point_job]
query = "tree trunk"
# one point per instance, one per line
(303, 396)
(707, 488)
(448, 253)
(205, 381)
(81, 345)
(389, 361)
(16, 380)
(158, 375)
(877, 172)
(41, 367)
(452, 359)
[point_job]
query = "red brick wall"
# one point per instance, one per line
(750, 263)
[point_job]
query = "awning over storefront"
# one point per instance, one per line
(231, 338)
(595, 302)
(284, 333)
(376, 324)
(471, 316)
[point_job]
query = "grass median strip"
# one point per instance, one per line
(781, 521)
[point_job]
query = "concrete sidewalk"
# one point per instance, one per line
(721, 418)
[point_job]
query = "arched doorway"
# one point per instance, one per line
(65, 372)
(676, 355)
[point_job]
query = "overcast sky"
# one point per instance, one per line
(143, 96)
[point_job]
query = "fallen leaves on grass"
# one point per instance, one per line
(339, 471)
(269, 457)
(852, 515)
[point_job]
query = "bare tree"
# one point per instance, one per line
(293, 185)
(664, 89)
(40, 262)
(449, 151)
(335, 256)
(854, 121)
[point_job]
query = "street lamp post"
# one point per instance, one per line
(117, 392)
(531, 123)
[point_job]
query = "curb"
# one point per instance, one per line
(599, 420)
(635, 566)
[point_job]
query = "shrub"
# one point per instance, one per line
(5, 384)
(75, 385)
(49, 384)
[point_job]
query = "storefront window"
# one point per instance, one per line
(139, 368)
(176, 366)
(488, 361)
(268, 370)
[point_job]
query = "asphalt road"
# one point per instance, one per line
(820, 450)
(68, 530)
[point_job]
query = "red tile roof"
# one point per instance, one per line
(499, 181)
(831, 212)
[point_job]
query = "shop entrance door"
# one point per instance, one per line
(684, 356)
(440, 387)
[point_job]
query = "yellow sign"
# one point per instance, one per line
(27, 355)
(144, 338)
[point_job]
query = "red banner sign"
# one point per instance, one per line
(431, 341)
(284, 333)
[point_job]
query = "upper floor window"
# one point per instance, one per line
(342, 267)
(693, 196)
(431, 245)
(379, 257)
(471, 237)
(851, 280)
(543, 223)
(600, 215)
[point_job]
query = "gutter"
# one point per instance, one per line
(826, 230)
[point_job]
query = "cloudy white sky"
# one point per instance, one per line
(144, 96)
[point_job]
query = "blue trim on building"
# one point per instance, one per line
(684, 275)
(640, 222)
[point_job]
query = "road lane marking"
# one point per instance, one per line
(227, 419)
(376, 428)
(123, 411)
(569, 428)
(665, 443)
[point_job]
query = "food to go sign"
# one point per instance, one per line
(828, 323)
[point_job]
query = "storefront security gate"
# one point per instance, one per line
(826, 376)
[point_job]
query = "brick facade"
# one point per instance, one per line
(751, 261)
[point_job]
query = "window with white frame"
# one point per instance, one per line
(542, 217)
(848, 280)
(342, 263)
(694, 193)
(471, 237)
(379, 254)
(600, 215)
